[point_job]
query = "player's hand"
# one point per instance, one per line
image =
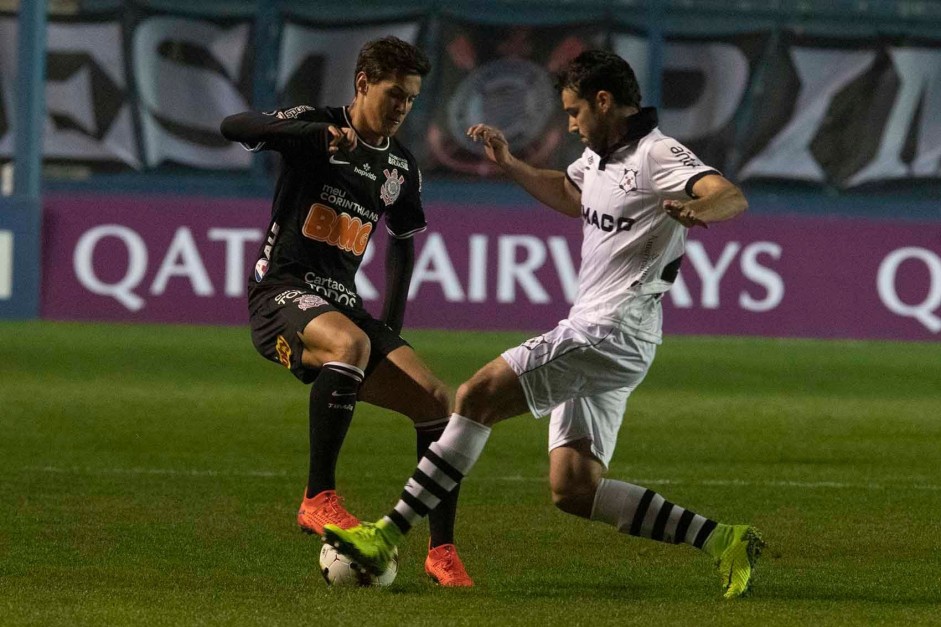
(495, 144)
(340, 139)
(682, 214)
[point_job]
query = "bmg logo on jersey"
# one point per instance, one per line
(323, 224)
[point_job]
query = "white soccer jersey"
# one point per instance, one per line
(631, 248)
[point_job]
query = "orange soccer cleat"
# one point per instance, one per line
(444, 565)
(325, 507)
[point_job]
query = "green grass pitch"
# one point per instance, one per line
(150, 475)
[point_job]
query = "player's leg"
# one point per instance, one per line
(338, 351)
(583, 433)
(399, 380)
(641, 512)
(574, 475)
(536, 375)
(403, 383)
(304, 333)
(492, 394)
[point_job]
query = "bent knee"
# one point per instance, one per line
(435, 403)
(440, 400)
(349, 348)
(577, 499)
(475, 396)
(577, 504)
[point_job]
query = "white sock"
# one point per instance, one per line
(641, 512)
(443, 466)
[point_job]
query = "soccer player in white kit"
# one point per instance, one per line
(637, 192)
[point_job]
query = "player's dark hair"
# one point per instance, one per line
(598, 70)
(389, 56)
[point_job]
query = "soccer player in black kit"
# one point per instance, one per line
(342, 170)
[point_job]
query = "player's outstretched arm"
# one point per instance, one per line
(717, 200)
(550, 187)
(277, 131)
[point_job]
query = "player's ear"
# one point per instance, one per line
(604, 100)
(361, 83)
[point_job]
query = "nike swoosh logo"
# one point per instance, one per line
(336, 161)
(344, 394)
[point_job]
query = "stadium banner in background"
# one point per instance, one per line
(706, 81)
(318, 62)
(89, 117)
(184, 260)
(145, 90)
(503, 75)
(845, 112)
(189, 74)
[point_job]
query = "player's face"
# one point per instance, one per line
(586, 120)
(386, 103)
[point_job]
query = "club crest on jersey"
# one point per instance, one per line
(308, 301)
(629, 180)
(392, 187)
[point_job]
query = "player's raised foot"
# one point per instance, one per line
(444, 565)
(321, 509)
(737, 548)
(371, 545)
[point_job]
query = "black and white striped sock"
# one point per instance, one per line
(637, 511)
(440, 470)
(440, 519)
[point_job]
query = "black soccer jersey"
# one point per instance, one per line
(326, 207)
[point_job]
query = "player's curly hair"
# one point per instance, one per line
(598, 70)
(389, 56)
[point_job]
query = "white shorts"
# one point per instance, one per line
(582, 374)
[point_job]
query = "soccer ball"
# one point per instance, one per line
(338, 570)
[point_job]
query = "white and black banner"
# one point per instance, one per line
(88, 113)
(189, 74)
(146, 90)
(317, 63)
(846, 113)
(705, 84)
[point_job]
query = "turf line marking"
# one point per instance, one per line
(813, 485)
(739, 482)
(158, 471)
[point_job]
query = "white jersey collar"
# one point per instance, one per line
(346, 116)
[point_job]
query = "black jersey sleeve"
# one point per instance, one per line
(407, 216)
(400, 261)
(278, 130)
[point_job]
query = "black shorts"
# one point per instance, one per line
(277, 314)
